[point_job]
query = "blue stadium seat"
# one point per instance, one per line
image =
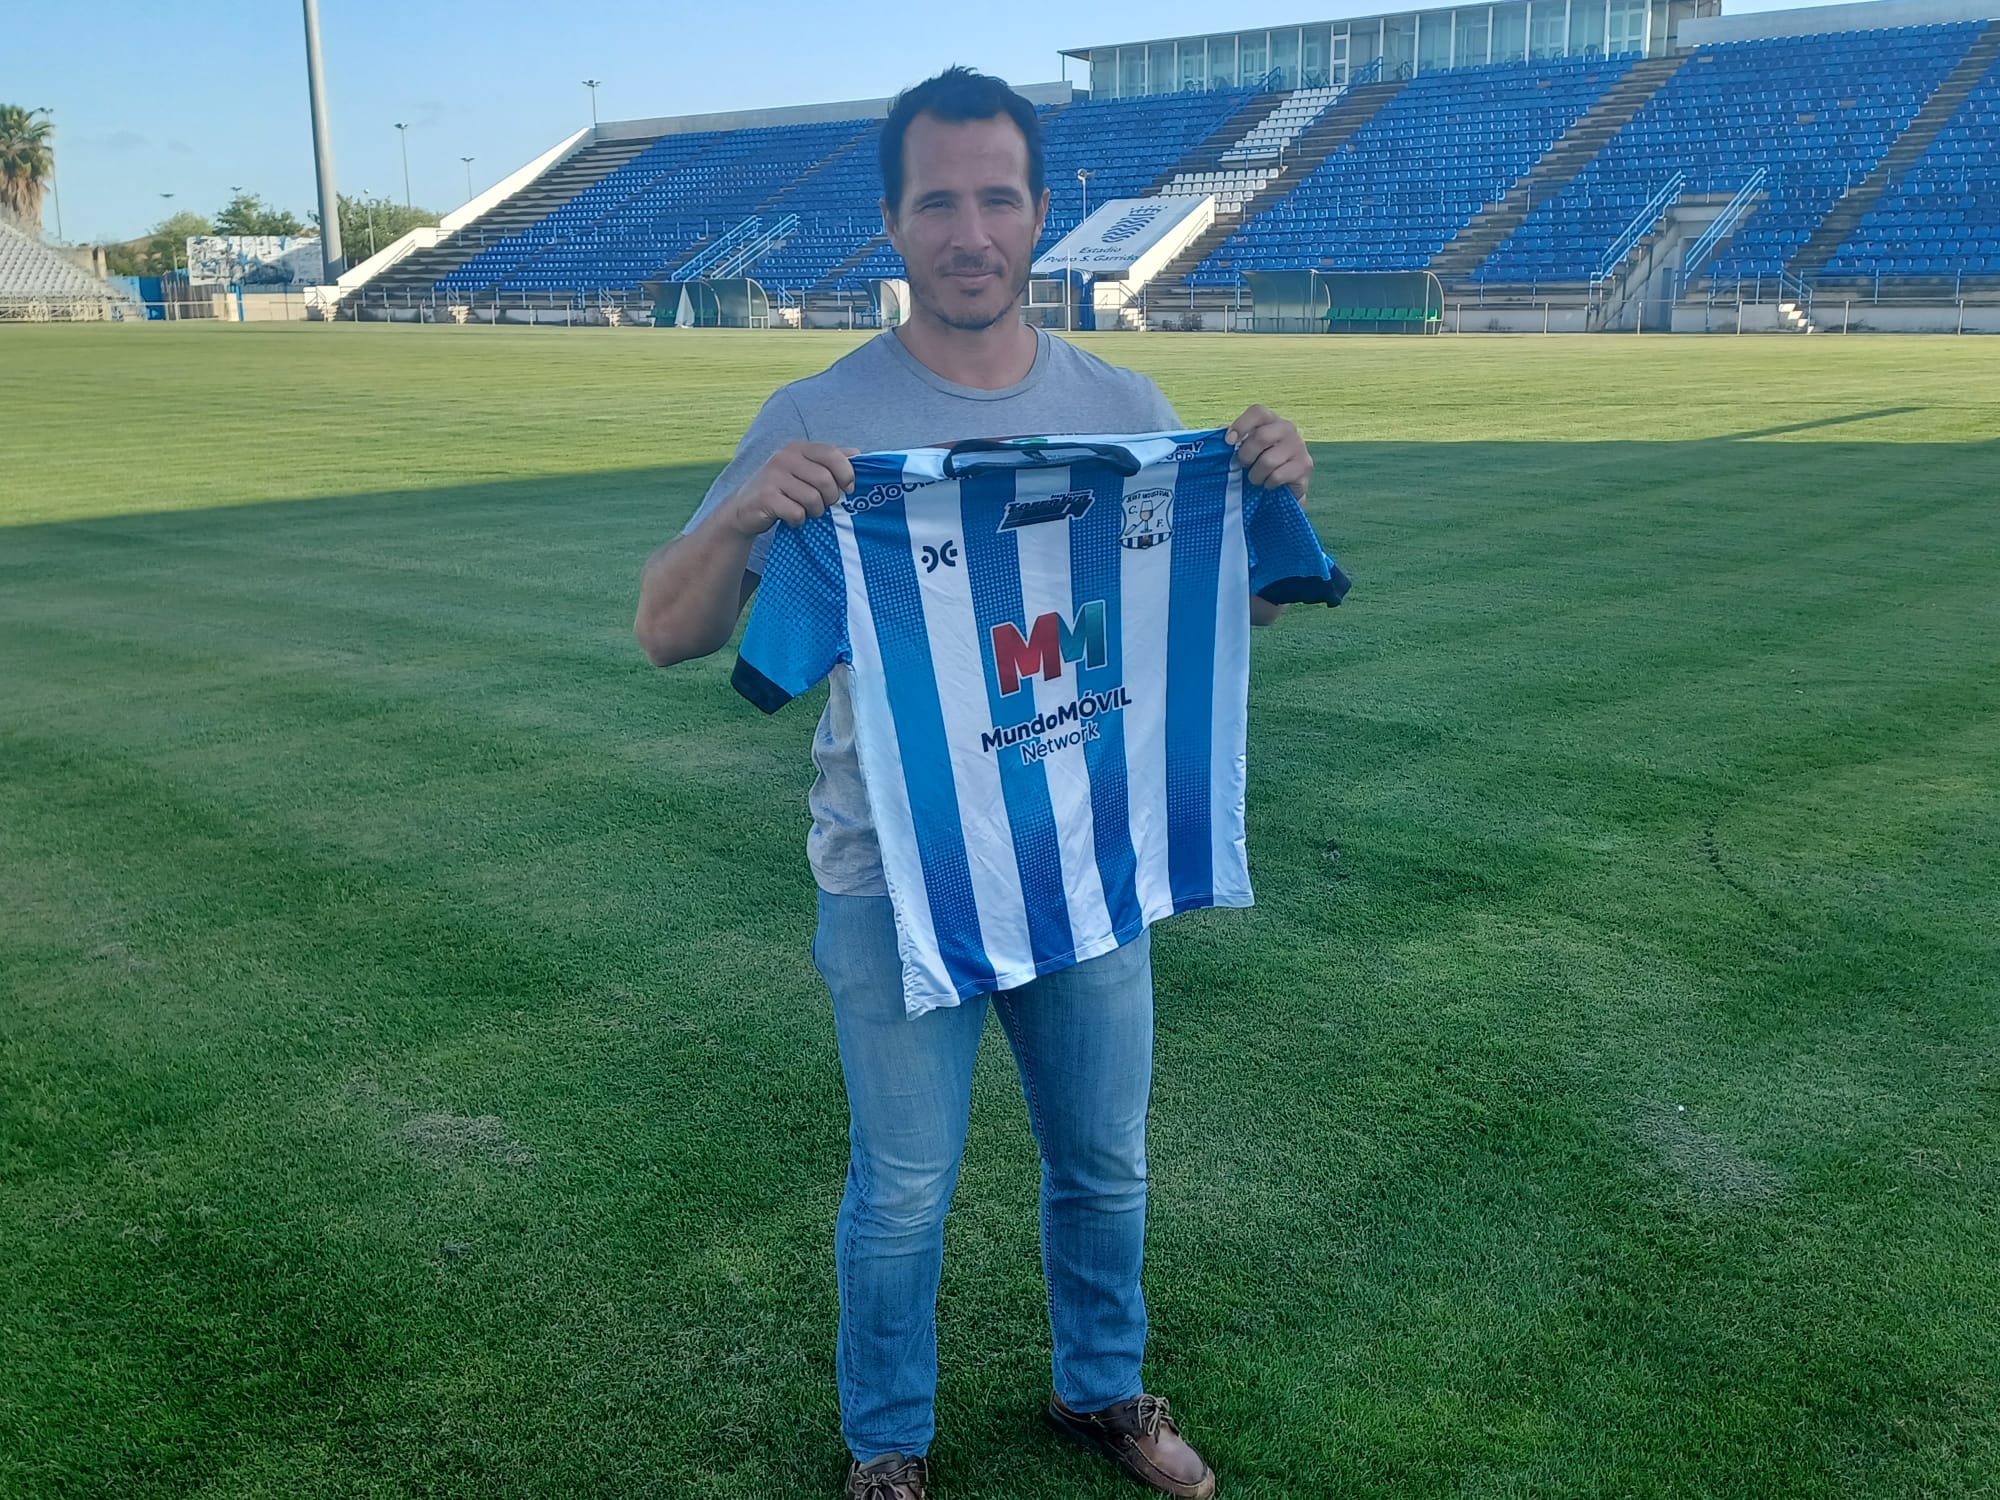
(1816, 113)
(1942, 217)
(1414, 175)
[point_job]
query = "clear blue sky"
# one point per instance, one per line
(196, 97)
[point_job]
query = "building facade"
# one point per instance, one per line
(1326, 53)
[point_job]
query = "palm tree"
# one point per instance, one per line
(26, 161)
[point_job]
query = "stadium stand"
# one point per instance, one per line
(1878, 149)
(1578, 147)
(1394, 195)
(1943, 216)
(1816, 116)
(655, 210)
(40, 284)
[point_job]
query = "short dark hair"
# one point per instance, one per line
(957, 94)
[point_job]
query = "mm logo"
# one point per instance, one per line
(1048, 644)
(1071, 505)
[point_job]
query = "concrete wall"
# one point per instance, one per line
(1861, 317)
(1469, 317)
(423, 238)
(1832, 316)
(1873, 15)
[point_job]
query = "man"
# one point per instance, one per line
(964, 202)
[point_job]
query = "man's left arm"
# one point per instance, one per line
(1271, 449)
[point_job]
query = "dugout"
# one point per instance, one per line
(1345, 302)
(890, 296)
(733, 303)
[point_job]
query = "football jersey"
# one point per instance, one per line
(1048, 642)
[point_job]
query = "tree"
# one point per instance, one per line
(27, 161)
(371, 224)
(246, 213)
(160, 251)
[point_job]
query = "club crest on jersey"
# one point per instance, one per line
(1149, 518)
(1071, 505)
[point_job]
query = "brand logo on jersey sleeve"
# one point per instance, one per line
(1184, 452)
(1050, 642)
(882, 494)
(1149, 518)
(1071, 505)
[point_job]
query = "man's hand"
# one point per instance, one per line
(1272, 450)
(798, 482)
(694, 588)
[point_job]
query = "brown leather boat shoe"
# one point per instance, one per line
(1141, 1437)
(890, 1477)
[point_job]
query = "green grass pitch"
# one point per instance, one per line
(413, 1080)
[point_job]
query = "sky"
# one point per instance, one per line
(198, 98)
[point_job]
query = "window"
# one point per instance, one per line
(1677, 12)
(1314, 59)
(1469, 49)
(1194, 66)
(1251, 59)
(1364, 43)
(1510, 32)
(1336, 74)
(1285, 59)
(1628, 26)
(1547, 26)
(1104, 74)
(1131, 72)
(1433, 40)
(1160, 68)
(1586, 28)
(1399, 46)
(1222, 62)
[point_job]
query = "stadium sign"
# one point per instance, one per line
(273, 260)
(1124, 237)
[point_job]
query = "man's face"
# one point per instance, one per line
(966, 227)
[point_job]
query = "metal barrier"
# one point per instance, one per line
(1720, 228)
(700, 265)
(1641, 225)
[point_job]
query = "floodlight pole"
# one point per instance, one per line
(468, 160)
(1069, 270)
(403, 134)
(329, 197)
(55, 182)
(591, 84)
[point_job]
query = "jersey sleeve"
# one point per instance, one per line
(798, 626)
(1287, 563)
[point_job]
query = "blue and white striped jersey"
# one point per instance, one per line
(1049, 645)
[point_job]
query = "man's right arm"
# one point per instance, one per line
(693, 589)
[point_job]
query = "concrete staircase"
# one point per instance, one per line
(1793, 318)
(1208, 155)
(1331, 131)
(588, 164)
(1577, 148)
(1853, 207)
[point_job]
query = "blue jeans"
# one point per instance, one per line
(1083, 1041)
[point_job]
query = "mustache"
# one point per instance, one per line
(971, 268)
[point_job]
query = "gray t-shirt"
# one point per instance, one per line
(881, 399)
